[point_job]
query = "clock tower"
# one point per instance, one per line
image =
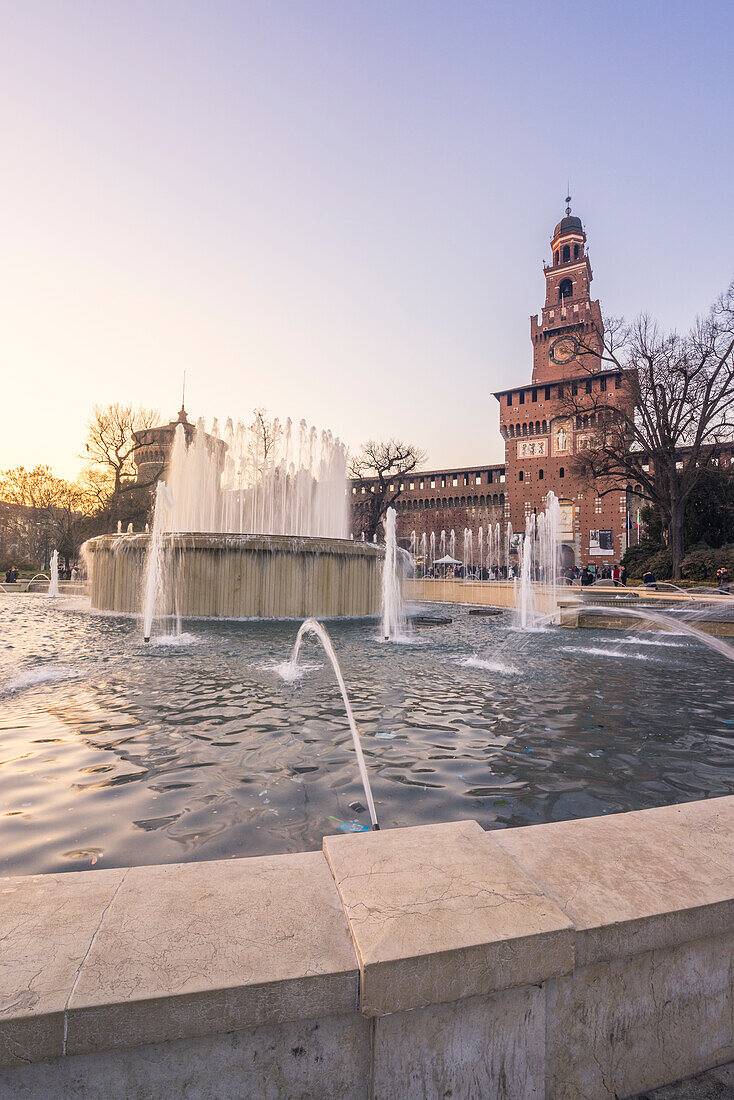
(569, 316)
(545, 423)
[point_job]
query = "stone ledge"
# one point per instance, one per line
(101, 960)
(47, 924)
(636, 881)
(439, 913)
(169, 952)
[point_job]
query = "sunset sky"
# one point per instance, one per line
(336, 209)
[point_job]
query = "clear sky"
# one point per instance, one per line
(339, 209)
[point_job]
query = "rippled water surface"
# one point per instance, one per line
(115, 753)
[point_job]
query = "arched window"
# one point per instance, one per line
(555, 256)
(520, 476)
(575, 252)
(540, 475)
(561, 472)
(565, 289)
(566, 253)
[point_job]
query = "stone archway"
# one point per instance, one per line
(568, 556)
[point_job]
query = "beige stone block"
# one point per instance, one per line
(634, 882)
(491, 1048)
(620, 1027)
(47, 923)
(194, 949)
(301, 1060)
(439, 912)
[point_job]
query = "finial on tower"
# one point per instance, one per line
(182, 418)
(568, 201)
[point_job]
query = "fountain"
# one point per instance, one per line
(538, 553)
(393, 616)
(311, 626)
(251, 525)
(154, 566)
(53, 583)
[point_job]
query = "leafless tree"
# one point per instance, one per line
(264, 434)
(379, 469)
(110, 473)
(110, 439)
(674, 413)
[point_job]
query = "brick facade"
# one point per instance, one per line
(541, 437)
(442, 500)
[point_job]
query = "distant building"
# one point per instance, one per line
(540, 436)
(153, 448)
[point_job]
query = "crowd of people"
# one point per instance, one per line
(590, 574)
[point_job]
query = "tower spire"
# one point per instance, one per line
(182, 418)
(568, 198)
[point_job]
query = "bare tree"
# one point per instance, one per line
(110, 474)
(111, 439)
(675, 411)
(379, 469)
(265, 434)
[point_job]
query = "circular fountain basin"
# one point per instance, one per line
(240, 576)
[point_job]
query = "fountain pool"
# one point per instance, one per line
(194, 747)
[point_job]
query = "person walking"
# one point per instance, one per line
(723, 579)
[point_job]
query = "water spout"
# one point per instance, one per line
(53, 584)
(154, 567)
(539, 555)
(393, 616)
(659, 618)
(311, 626)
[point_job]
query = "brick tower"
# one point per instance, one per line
(569, 316)
(541, 436)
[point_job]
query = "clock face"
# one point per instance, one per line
(564, 349)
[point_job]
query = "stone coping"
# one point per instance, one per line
(438, 913)
(576, 617)
(377, 923)
(92, 960)
(226, 540)
(635, 881)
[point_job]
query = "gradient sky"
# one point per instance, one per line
(339, 209)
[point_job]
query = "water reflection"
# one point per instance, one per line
(112, 754)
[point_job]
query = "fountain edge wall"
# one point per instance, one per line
(584, 958)
(241, 576)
